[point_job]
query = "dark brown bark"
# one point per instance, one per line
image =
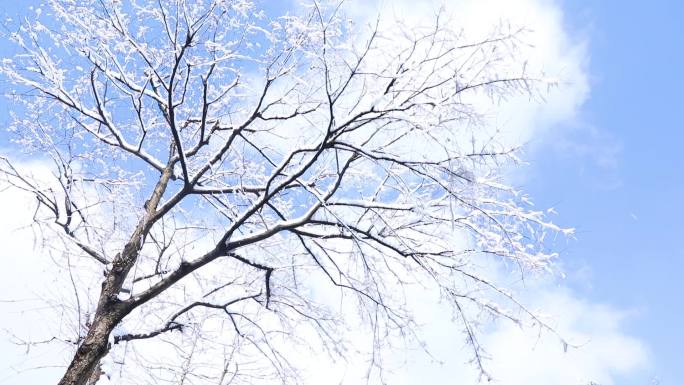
(95, 345)
(110, 310)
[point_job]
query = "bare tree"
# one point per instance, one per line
(238, 183)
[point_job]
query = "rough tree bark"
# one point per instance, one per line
(110, 309)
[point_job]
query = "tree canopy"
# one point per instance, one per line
(230, 184)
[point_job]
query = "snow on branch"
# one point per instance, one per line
(206, 151)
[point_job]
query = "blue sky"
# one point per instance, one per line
(627, 209)
(614, 172)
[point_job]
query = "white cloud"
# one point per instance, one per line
(601, 350)
(26, 280)
(548, 50)
(604, 350)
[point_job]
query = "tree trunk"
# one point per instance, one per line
(95, 345)
(110, 310)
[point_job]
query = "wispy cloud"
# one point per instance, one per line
(592, 150)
